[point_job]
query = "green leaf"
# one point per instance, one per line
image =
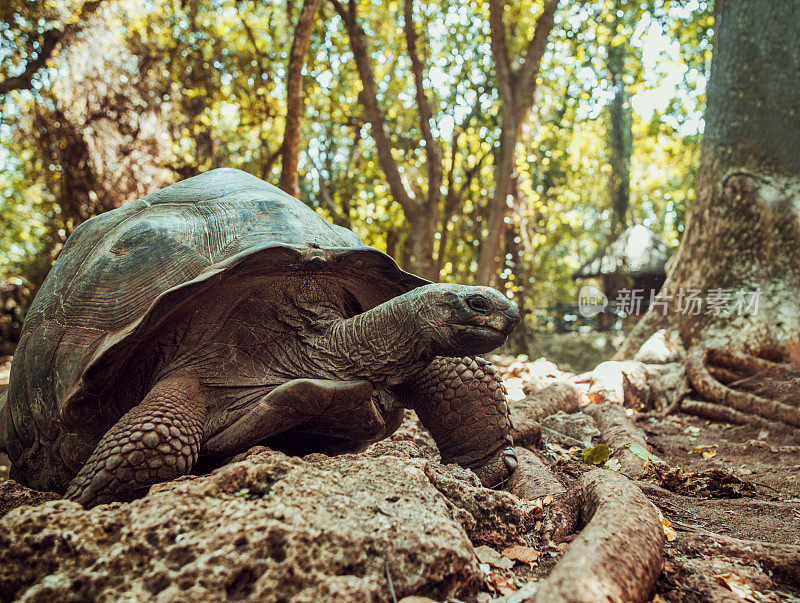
(597, 455)
(644, 454)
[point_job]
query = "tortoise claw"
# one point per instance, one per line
(510, 459)
(497, 469)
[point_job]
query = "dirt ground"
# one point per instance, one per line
(720, 482)
(765, 507)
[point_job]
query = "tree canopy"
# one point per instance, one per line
(407, 111)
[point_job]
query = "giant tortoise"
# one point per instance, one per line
(220, 313)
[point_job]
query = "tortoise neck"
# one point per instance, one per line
(385, 345)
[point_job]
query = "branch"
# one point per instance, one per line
(271, 159)
(536, 46)
(433, 149)
(51, 40)
(368, 97)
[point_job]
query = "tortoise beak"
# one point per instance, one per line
(503, 318)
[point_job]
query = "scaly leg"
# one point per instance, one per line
(462, 402)
(156, 441)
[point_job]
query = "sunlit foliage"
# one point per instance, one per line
(147, 93)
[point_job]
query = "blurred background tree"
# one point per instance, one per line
(402, 120)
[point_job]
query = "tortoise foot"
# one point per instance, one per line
(462, 402)
(154, 442)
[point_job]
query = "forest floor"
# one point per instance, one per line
(745, 486)
(730, 492)
(723, 489)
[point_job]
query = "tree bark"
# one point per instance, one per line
(743, 231)
(289, 181)
(517, 89)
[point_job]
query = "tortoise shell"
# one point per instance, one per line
(121, 274)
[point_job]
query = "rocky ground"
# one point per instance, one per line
(394, 524)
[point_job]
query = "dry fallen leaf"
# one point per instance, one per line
(737, 585)
(487, 554)
(547, 499)
(500, 584)
(669, 531)
(535, 507)
(525, 554)
(706, 452)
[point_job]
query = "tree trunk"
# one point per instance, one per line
(492, 248)
(743, 231)
(289, 181)
(422, 214)
(423, 233)
(516, 83)
(620, 138)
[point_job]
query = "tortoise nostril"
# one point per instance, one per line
(479, 303)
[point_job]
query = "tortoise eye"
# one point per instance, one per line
(479, 303)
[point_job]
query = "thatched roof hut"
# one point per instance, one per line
(636, 253)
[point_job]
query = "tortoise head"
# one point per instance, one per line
(463, 320)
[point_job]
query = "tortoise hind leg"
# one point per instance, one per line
(462, 402)
(342, 409)
(156, 441)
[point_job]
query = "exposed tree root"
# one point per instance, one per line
(723, 414)
(532, 479)
(724, 375)
(620, 552)
(618, 433)
(743, 362)
(715, 391)
(781, 561)
(526, 414)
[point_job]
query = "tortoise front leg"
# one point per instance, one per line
(156, 441)
(462, 402)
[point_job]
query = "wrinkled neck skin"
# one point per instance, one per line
(385, 346)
